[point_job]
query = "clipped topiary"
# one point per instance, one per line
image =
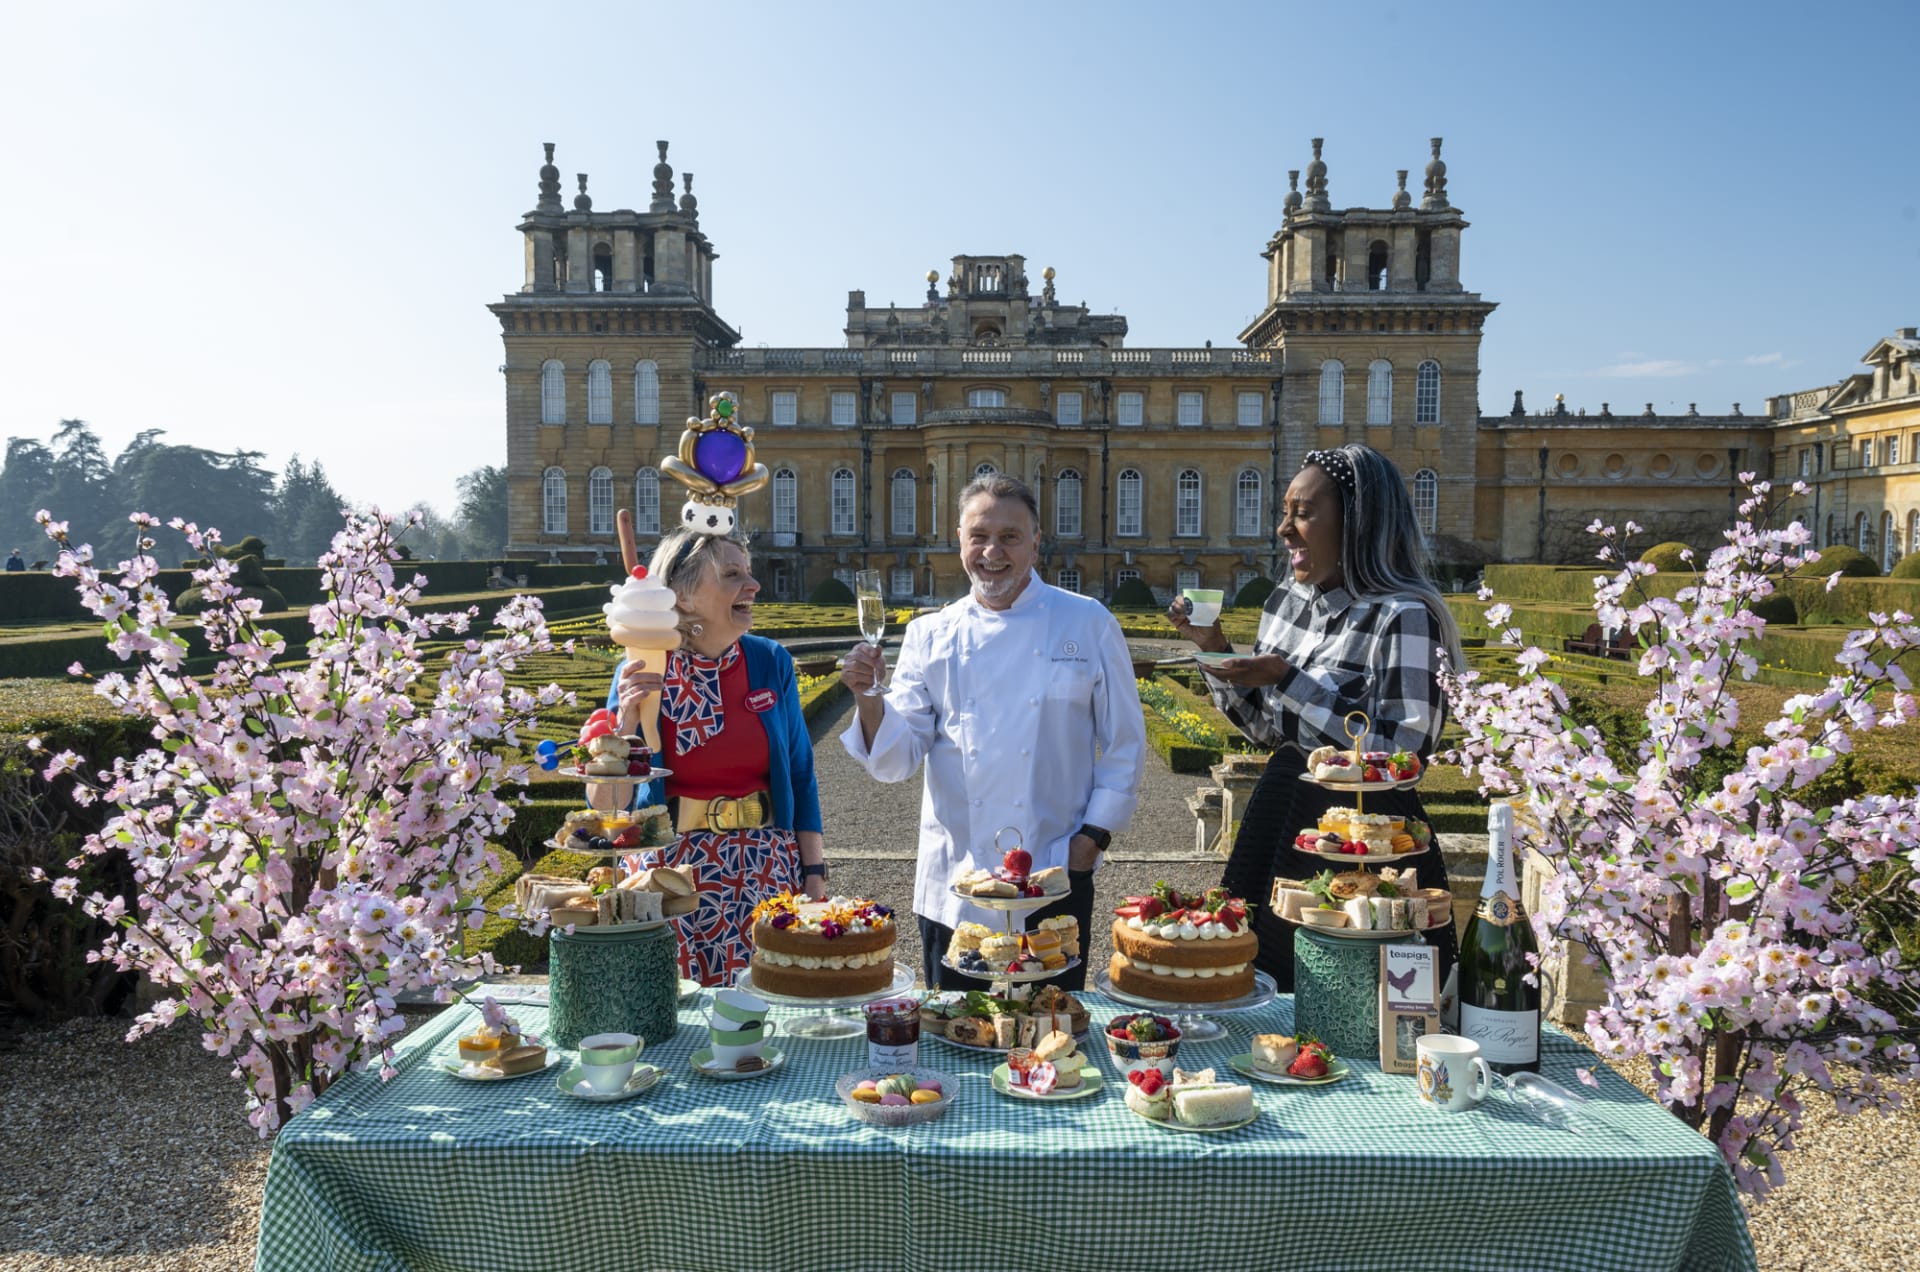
(1907, 567)
(1133, 594)
(1254, 594)
(1851, 562)
(252, 545)
(831, 592)
(1665, 557)
(249, 575)
(1776, 609)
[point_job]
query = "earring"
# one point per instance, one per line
(697, 628)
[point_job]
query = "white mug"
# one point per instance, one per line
(1450, 1073)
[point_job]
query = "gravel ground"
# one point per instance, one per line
(136, 1158)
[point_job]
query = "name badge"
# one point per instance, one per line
(761, 700)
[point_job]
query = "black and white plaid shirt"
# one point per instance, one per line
(1376, 655)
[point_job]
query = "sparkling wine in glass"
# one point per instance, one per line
(873, 616)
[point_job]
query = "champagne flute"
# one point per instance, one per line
(873, 618)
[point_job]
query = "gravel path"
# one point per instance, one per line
(137, 1158)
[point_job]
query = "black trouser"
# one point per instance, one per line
(935, 937)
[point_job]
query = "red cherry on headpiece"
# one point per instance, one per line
(638, 571)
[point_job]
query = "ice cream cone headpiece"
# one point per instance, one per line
(716, 466)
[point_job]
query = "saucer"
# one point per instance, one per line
(702, 1062)
(574, 1083)
(1243, 1065)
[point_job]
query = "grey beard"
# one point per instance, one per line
(994, 588)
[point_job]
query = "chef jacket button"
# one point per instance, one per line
(976, 803)
(1033, 702)
(969, 701)
(1025, 751)
(1018, 803)
(1036, 653)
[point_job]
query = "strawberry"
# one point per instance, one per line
(1127, 912)
(629, 837)
(1150, 908)
(1371, 774)
(1354, 848)
(1018, 861)
(1176, 916)
(1308, 1064)
(1230, 920)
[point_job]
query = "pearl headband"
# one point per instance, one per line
(1335, 464)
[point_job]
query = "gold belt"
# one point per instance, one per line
(722, 813)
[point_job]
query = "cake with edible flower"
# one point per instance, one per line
(1183, 949)
(836, 948)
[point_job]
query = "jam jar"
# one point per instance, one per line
(893, 1034)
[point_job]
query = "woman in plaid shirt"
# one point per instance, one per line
(1358, 627)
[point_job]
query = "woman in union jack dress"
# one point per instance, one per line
(741, 791)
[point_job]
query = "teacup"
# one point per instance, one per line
(1450, 1073)
(1203, 605)
(738, 1006)
(746, 1042)
(726, 1033)
(606, 1060)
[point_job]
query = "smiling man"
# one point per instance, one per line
(1020, 699)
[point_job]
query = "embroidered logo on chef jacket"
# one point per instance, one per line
(761, 700)
(1071, 648)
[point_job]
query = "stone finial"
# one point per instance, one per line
(1046, 292)
(1519, 404)
(1693, 408)
(549, 185)
(1606, 410)
(1559, 404)
(1401, 199)
(1317, 180)
(1736, 410)
(1293, 190)
(689, 204)
(1436, 200)
(1649, 411)
(581, 203)
(662, 183)
(933, 287)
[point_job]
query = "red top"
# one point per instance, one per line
(733, 762)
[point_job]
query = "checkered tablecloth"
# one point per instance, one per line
(432, 1172)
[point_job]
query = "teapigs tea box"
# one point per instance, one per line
(1409, 1003)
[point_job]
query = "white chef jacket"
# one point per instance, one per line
(1007, 708)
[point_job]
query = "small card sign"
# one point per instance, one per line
(1409, 1003)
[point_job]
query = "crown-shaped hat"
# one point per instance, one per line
(716, 465)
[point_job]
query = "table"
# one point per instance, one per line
(432, 1172)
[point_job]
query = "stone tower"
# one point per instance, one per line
(601, 342)
(1380, 341)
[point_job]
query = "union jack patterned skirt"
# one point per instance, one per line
(734, 872)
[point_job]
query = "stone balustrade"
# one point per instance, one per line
(1027, 360)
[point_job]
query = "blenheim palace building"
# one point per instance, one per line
(1164, 465)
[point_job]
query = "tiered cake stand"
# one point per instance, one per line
(837, 1017)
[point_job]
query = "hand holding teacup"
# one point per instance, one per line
(1195, 614)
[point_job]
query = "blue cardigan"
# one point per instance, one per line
(796, 798)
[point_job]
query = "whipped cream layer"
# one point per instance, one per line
(832, 963)
(1182, 931)
(1193, 973)
(641, 615)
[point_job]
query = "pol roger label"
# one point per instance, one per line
(1505, 1037)
(1499, 909)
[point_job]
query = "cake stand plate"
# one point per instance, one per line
(1012, 905)
(1371, 934)
(827, 1025)
(1364, 787)
(1367, 858)
(1013, 978)
(637, 779)
(608, 931)
(1192, 1017)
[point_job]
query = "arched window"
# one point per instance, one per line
(842, 498)
(553, 501)
(1127, 507)
(1066, 504)
(1862, 533)
(553, 392)
(646, 392)
(1380, 391)
(600, 392)
(786, 502)
(1247, 513)
(600, 501)
(1913, 531)
(646, 501)
(1831, 540)
(1426, 393)
(905, 497)
(1426, 501)
(985, 470)
(1377, 265)
(1889, 543)
(1333, 392)
(1186, 502)
(986, 397)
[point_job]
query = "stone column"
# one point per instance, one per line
(1446, 260)
(579, 259)
(626, 274)
(1400, 268)
(670, 260)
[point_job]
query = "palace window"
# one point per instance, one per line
(1806, 463)
(985, 469)
(1187, 407)
(1126, 513)
(842, 488)
(1862, 533)
(900, 583)
(1889, 543)
(646, 501)
(845, 575)
(843, 409)
(600, 501)
(1186, 502)
(646, 393)
(986, 397)
(1426, 393)
(1247, 410)
(786, 409)
(1184, 579)
(553, 392)
(1066, 408)
(1891, 447)
(1125, 576)
(1866, 452)
(786, 502)
(600, 392)
(1333, 392)
(1426, 501)
(906, 408)
(1247, 513)
(1240, 580)
(1067, 580)
(904, 496)
(553, 501)
(1066, 504)
(1380, 391)
(1377, 265)
(1831, 531)
(1131, 411)
(1913, 531)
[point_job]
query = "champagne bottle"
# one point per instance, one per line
(1498, 1008)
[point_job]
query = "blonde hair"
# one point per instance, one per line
(684, 560)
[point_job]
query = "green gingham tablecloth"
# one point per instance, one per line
(432, 1172)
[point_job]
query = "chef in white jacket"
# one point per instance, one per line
(1020, 699)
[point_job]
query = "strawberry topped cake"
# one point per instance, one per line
(1183, 949)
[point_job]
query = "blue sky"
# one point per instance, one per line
(278, 226)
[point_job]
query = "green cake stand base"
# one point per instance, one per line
(620, 982)
(1336, 989)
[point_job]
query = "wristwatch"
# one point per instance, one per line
(1101, 838)
(817, 868)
